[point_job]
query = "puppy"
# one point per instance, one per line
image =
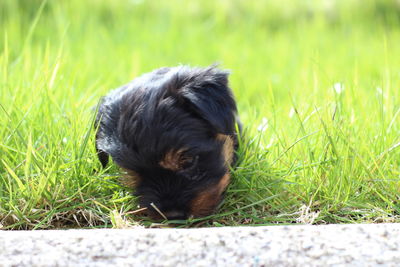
(173, 131)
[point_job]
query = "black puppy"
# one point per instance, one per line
(173, 131)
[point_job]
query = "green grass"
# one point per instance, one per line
(323, 80)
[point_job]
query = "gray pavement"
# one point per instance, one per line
(325, 245)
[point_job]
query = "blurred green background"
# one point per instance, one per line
(281, 45)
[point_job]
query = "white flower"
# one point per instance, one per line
(292, 112)
(338, 87)
(379, 90)
(263, 125)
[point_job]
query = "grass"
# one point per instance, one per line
(317, 86)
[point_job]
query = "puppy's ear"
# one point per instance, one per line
(205, 92)
(102, 155)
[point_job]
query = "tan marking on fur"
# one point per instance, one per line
(130, 178)
(206, 202)
(228, 149)
(173, 160)
(223, 184)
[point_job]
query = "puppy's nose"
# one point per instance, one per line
(175, 215)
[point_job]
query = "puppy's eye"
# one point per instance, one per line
(188, 162)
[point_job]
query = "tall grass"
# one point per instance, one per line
(317, 85)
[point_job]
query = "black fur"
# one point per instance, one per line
(169, 109)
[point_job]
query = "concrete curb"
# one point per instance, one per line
(334, 245)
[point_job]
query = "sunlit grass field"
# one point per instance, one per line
(317, 85)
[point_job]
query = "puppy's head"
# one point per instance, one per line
(173, 132)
